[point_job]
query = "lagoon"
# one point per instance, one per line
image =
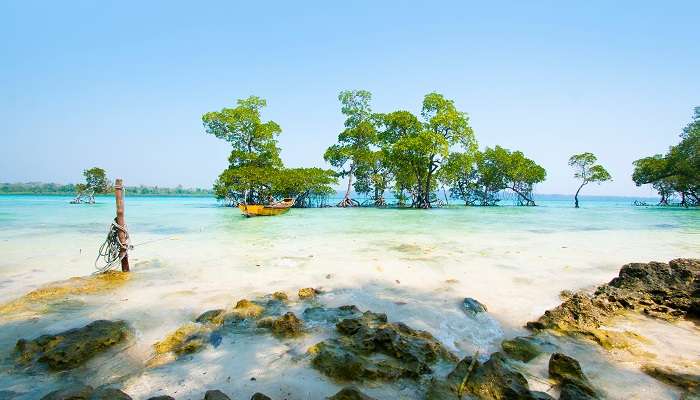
(416, 266)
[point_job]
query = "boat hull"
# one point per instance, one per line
(258, 210)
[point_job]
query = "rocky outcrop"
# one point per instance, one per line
(371, 348)
(82, 392)
(689, 383)
(350, 393)
(567, 372)
(523, 348)
(473, 306)
(307, 293)
(287, 325)
(74, 347)
(333, 315)
(668, 291)
(215, 395)
(495, 379)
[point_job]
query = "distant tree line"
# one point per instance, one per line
(676, 174)
(72, 189)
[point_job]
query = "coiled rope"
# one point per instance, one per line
(112, 247)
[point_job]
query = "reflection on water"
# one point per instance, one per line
(414, 265)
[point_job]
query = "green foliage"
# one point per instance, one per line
(587, 171)
(96, 180)
(677, 173)
(255, 174)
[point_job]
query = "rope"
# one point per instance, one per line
(112, 247)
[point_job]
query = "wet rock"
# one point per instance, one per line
(350, 393)
(521, 348)
(287, 325)
(331, 314)
(247, 309)
(76, 392)
(161, 398)
(667, 291)
(260, 396)
(280, 296)
(688, 382)
(74, 347)
(567, 372)
(210, 316)
(473, 306)
(370, 348)
(105, 393)
(187, 339)
(307, 293)
(215, 395)
(493, 380)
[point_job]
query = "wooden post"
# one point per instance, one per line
(119, 195)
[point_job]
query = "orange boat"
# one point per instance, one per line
(259, 210)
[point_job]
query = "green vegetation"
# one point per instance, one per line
(255, 174)
(96, 182)
(587, 171)
(675, 174)
(70, 189)
(415, 156)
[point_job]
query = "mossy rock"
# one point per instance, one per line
(567, 372)
(280, 296)
(187, 339)
(74, 347)
(328, 314)
(521, 348)
(210, 316)
(350, 393)
(287, 325)
(307, 293)
(76, 392)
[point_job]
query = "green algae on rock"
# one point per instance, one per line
(667, 291)
(521, 348)
(350, 393)
(370, 348)
(287, 325)
(567, 372)
(495, 379)
(72, 348)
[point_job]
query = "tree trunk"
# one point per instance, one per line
(576, 195)
(347, 201)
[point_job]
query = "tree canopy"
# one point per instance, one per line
(676, 173)
(587, 171)
(256, 174)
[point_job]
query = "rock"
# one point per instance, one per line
(370, 348)
(77, 392)
(247, 309)
(106, 393)
(667, 291)
(493, 380)
(350, 393)
(688, 382)
(331, 314)
(473, 306)
(287, 325)
(74, 347)
(215, 395)
(210, 316)
(307, 293)
(161, 398)
(281, 296)
(259, 396)
(521, 348)
(187, 339)
(567, 372)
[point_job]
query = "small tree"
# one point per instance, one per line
(96, 182)
(587, 171)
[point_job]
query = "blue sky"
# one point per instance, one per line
(123, 85)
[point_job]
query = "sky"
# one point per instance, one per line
(123, 85)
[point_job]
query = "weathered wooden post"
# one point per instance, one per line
(119, 194)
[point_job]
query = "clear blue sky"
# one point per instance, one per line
(123, 85)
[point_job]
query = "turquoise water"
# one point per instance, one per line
(192, 254)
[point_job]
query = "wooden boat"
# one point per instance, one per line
(258, 210)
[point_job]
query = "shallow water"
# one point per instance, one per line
(414, 265)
